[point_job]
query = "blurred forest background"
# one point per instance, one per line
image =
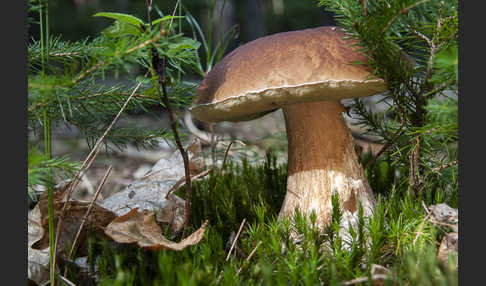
(73, 19)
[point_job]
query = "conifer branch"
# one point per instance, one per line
(401, 12)
(440, 168)
(386, 146)
(118, 54)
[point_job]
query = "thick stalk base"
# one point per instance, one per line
(322, 162)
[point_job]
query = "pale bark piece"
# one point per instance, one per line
(444, 214)
(150, 192)
(142, 229)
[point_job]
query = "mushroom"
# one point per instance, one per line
(305, 73)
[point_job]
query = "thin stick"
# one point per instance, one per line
(195, 177)
(425, 208)
(173, 14)
(149, 10)
(236, 238)
(419, 230)
(213, 144)
(433, 51)
(249, 256)
(64, 279)
(86, 164)
(440, 168)
(85, 217)
(364, 279)
(227, 150)
(185, 157)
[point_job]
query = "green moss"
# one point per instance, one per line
(256, 193)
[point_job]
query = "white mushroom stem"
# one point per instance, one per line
(321, 162)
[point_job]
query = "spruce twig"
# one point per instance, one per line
(401, 12)
(118, 54)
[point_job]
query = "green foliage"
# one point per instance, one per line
(70, 82)
(39, 167)
(122, 18)
(446, 64)
(67, 85)
(313, 258)
(419, 265)
(413, 46)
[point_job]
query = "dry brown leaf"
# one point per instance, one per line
(73, 216)
(141, 228)
(38, 229)
(38, 259)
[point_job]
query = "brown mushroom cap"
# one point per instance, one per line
(270, 72)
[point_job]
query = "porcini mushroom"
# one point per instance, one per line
(305, 73)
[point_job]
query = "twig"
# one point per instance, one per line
(419, 230)
(433, 51)
(414, 176)
(386, 146)
(173, 13)
(364, 8)
(214, 142)
(425, 208)
(65, 280)
(249, 257)
(160, 66)
(195, 177)
(364, 279)
(86, 164)
(227, 150)
(185, 157)
(98, 191)
(149, 10)
(236, 238)
(438, 89)
(440, 168)
(403, 11)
